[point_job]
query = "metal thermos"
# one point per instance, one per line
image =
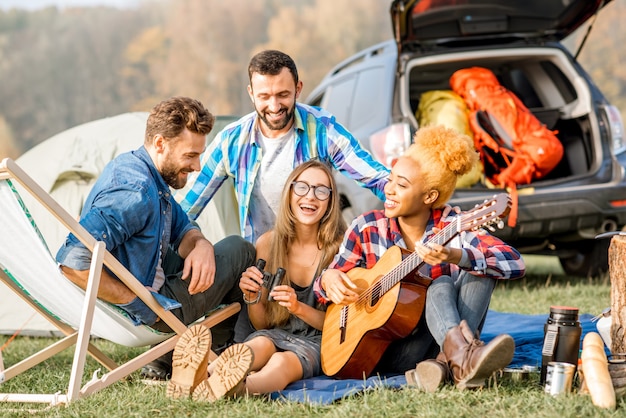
(561, 341)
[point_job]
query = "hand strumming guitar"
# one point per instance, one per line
(338, 287)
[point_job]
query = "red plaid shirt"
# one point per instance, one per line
(372, 233)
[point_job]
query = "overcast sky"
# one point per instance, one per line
(38, 4)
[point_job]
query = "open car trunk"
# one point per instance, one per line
(544, 79)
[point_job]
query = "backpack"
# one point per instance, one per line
(514, 146)
(445, 107)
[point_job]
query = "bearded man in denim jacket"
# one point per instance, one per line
(131, 209)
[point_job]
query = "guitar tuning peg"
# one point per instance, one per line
(491, 228)
(500, 224)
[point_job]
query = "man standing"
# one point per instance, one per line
(262, 148)
(131, 209)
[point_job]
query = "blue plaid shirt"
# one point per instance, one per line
(235, 154)
(372, 233)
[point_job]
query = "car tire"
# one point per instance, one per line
(591, 259)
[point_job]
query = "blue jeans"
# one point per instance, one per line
(447, 303)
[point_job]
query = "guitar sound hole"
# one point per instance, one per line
(375, 297)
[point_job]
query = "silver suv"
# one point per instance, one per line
(376, 94)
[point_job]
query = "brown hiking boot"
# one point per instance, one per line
(429, 374)
(189, 361)
(228, 377)
(471, 360)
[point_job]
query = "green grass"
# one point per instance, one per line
(544, 285)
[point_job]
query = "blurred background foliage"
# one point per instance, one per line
(63, 67)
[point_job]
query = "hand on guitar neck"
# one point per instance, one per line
(433, 254)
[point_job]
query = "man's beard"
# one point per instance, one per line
(170, 175)
(282, 124)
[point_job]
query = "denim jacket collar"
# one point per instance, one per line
(164, 189)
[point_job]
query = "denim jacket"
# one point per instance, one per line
(126, 209)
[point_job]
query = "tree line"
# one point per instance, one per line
(63, 67)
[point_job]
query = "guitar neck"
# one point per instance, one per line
(413, 261)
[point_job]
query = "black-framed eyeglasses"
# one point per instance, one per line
(301, 188)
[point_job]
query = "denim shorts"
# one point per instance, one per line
(307, 349)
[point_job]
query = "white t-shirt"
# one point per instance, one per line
(276, 165)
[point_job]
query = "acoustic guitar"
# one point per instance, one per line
(391, 300)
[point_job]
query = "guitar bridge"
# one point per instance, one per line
(343, 324)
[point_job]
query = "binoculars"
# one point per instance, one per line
(270, 280)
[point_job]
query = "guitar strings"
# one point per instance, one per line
(441, 237)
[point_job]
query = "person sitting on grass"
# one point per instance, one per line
(464, 271)
(286, 345)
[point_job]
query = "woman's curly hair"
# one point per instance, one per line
(442, 155)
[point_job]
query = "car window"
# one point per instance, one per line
(371, 102)
(338, 99)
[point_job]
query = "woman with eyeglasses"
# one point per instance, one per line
(286, 346)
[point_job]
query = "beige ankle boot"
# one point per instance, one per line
(228, 377)
(429, 374)
(471, 360)
(189, 362)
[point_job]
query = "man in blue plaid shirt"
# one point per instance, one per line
(262, 148)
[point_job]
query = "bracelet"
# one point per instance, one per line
(252, 302)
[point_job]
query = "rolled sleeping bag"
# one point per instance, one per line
(596, 371)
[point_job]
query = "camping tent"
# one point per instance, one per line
(66, 166)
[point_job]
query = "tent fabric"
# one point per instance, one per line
(66, 166)
(29, 264)
(526, 330)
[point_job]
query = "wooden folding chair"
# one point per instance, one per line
(28, 268)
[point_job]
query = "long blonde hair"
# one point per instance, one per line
(329, 235)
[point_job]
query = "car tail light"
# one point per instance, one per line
(390, 143)
(615, 128)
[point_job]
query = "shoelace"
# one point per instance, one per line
(469, 351)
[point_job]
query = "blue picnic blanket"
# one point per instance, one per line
(526, 330)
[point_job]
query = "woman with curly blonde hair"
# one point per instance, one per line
(445, 341)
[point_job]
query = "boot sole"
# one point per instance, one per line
(499, 355)
(189, 362)
(231, 369)
(426, 376)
